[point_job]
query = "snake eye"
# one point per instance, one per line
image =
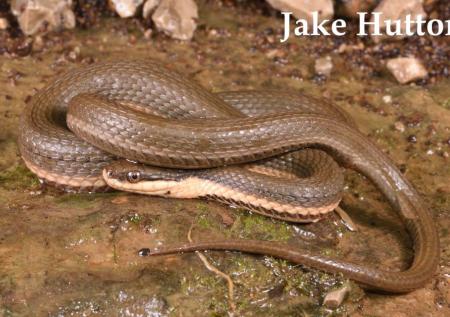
(133, 176)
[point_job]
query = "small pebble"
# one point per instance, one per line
(148, 34)
(399, 126)
(74, 54)
(125, 8)
(38, 43)
(335, 298)
(213, 33)
(406, 69)
(412, 139)
(387, 99)
(144, 252)
(323, 66)
(4, 24)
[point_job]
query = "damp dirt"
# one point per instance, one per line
(76, 255)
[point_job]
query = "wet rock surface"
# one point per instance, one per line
(43, 15)
(176, 18)
(125, 8)
(398, 10)
(76, 255)
(149, 7)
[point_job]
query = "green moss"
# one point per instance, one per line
(135, 218)
(301, 282)
(213, 289)
(7, 312)
(329, 252)
(178, 207)
(208, 281)
(442, 199)
(242, 264)
(202, 208)
(260, 227)
(446, 104)
(17, 177)
(204, 220)
(80, 307)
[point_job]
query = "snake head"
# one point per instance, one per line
(144, 179)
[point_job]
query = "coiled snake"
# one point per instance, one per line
(264, 150)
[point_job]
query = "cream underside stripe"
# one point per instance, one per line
(194, 187)
(189, 188)
(73, 181)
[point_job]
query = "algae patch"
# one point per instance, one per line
(17, 177)
(263, 228)
(446, 104)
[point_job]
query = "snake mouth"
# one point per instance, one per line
(157, 187)
(194, 187)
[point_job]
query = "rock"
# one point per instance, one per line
(43, 15)
(397, 10)
(387, 99)
(4, 24)
(412, 138)
(302, 9)
(406, 69)
(323, 66)
(399, 126)
(74, 54)
(335, 298)
(38, 43)
(148, 34)
(125, 8)
(149, 8)
(350, 8)
(176, 18)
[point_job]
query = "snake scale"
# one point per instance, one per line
(272, 152)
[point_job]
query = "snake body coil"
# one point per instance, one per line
(143, 112)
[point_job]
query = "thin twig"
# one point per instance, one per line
(215, 270)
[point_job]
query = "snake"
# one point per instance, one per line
(140, 126)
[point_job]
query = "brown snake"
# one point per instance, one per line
(141, 111)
